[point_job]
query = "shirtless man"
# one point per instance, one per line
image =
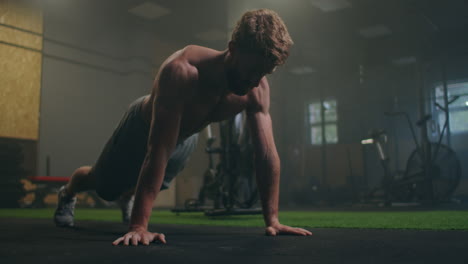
(194, 87)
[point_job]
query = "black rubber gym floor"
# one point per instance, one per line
(39, 241)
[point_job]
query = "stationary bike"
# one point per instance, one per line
(432, 172)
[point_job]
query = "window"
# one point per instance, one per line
(458, 110)
(322, 120)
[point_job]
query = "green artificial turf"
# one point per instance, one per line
(432, 220)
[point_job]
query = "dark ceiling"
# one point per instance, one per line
(328, 37)
(321, 38)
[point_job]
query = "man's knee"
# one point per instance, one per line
(83, 173)
(83, 169)
(82, 180)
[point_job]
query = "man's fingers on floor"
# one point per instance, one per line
(270, 231)
(296, 231)
(145, 241)
(292, 230)
(127, 239)
(301, 231)
(161, 237)
(135, 239)
(117, 241)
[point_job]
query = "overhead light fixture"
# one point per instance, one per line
(375, 31)
(302, 70)
(331, 5)
(404, 60)
(212, 35)
(149, 10)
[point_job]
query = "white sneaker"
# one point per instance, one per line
(64, 214)
(126, 205)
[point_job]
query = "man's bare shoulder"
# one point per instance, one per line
(195, 50)
(177, 74)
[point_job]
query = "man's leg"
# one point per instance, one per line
(81, 180)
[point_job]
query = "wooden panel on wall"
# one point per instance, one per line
(20, 71)
(20, 81)
(21, 16)
(17, 37)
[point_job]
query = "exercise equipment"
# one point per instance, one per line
(231, 184)
(433, 170)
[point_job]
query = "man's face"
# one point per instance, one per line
(245, 71)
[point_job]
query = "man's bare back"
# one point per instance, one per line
(210, 101)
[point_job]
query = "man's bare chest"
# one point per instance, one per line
(199, 113)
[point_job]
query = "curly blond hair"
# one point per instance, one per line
(263, 31)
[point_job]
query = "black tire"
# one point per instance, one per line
(446, 172)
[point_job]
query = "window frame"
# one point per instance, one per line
(439, 114)
(321, 123)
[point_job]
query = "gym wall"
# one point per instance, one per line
(21, 29)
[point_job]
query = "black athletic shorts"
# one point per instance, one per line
(118, 167)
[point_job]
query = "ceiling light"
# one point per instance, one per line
(149, 10)
(331, 5)
(375, 31)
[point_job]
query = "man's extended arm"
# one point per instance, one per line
(267, 164)
(164, 131)
(163, 135)
(267, 161)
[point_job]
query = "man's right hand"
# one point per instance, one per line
(139, 236)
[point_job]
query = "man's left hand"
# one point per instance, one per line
(279, 229)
